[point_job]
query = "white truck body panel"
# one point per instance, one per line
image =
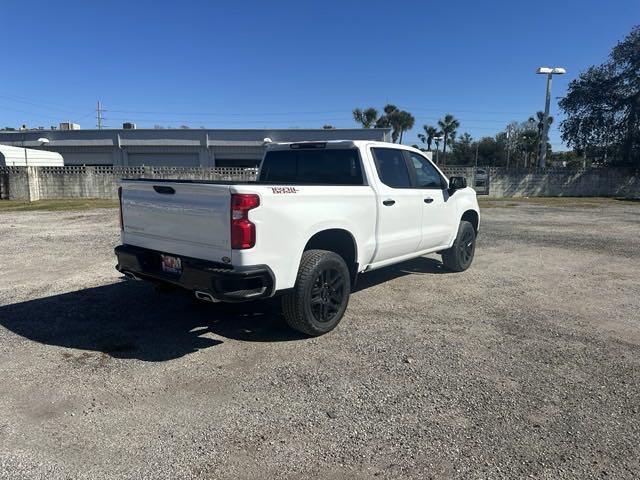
(194, 221)
(286, 222)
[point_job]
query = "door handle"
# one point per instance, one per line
(164, 189)
(428, 200)
(388, 203)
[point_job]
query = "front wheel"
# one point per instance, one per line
(321, 293)
(459, 257)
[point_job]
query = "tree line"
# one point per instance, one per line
(602, 107)
(601, 124)
(516, 146)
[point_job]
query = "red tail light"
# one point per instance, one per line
(120, 202)
(243, 232)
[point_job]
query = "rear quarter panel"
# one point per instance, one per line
(288, 216)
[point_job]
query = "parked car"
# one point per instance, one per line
(319, 215)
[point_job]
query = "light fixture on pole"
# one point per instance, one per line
(549, 72)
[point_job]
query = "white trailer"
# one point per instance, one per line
(28, 157)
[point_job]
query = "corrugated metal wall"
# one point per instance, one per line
(88, 158)
(164, 159)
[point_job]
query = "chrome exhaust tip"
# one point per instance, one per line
(131, 275)
(205, 296)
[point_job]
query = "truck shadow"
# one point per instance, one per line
(128, 320)
(416, 266)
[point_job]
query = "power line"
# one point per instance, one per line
(218, 114)
(27, 112)
(453, 110)
(57, 107)
(477, 123)
(99, 115)
(39, 104)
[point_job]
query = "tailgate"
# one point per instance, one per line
(188, 219)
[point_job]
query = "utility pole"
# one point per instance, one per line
(26, 158)
(508, 144)
(477, 144)
(549, 72)
(437, 141)
(99, 115)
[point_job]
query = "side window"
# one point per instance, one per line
(391, 167)
(426, 175)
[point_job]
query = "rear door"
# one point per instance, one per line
(399, 227)
(184, 219)
(438, 210)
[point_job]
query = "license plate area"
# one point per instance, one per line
(171, 264)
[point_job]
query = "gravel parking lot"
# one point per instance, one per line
(527, 365)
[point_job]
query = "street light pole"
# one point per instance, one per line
(437, 140)
(545, 120)
(508, 144)
(477, 145)
(26, 159)
(545, 125)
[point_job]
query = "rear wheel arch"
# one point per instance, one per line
(339, 241)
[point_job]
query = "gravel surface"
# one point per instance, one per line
(526, 365)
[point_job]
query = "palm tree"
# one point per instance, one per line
(405, 122)
(539, 118)
(384, 121)
(449, 124)
(528, 141)
(389, 108)
(366, 117)
(399, 120)
(430, 132)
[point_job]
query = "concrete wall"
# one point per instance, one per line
(40, 183)
(560, 182)
(36, 183)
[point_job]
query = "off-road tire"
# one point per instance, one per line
(460, 256)
(305, 305)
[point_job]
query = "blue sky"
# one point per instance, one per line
(295, 63)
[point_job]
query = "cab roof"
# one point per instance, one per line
(308, 145)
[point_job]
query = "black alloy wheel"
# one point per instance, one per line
(327, 294)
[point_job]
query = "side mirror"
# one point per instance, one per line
(457, 183)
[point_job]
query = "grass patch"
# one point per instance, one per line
(579, 202)
(72, 204)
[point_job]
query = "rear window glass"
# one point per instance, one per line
(324, 166)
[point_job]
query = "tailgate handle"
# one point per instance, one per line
(164, 189)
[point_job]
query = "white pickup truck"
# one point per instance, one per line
(319, 214)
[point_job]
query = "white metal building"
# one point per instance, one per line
(174, 147)
(29, 157)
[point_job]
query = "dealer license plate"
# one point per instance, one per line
(171, 264)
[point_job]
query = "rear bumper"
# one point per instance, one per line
(223, 282)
